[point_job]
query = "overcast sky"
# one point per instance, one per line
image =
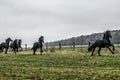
(56, 19)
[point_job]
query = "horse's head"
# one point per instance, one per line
(41, 39)
(19, 41)
(15, 41)
(108, 34)
(8, 40)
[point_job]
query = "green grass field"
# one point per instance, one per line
(60, 65)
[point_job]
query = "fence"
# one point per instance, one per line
(72, 47)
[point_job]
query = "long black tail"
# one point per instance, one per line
(90, 48)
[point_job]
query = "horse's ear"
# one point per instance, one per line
(42, 36)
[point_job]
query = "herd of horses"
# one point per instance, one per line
(15, 45)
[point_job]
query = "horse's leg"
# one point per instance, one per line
(34, 50)
(41, 50)
(110, 50)
(99, 51)
(113, 47)
(6, 50)
(2, 50)
(93, 51)
(17, 50)
(21, 49)
(14, 50)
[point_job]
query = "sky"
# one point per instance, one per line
(56, 19)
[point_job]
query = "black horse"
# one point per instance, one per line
(102, 44)
(1, 48)
(19, 45)
(38, 44)
(5, 45)
(14, 46)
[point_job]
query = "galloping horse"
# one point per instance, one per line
(5, 45)
(14, 46)
(19, 45)
(38, 44)
(102, 44)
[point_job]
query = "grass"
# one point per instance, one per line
(60, 65)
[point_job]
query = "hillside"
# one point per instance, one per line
(84, 39)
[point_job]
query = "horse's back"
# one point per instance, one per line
(101, 43)
(35, 45)
(98, 41)
(3, 44)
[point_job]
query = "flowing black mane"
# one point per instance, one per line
(41, 40)
(106, 37)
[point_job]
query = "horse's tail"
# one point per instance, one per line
(90, 48)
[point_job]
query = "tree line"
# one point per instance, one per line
(85, 39)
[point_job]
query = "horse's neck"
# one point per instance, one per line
(7, 43)
(20, 42)
(15, 42)
(105, 36)
(107, 40)
(40, 41)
